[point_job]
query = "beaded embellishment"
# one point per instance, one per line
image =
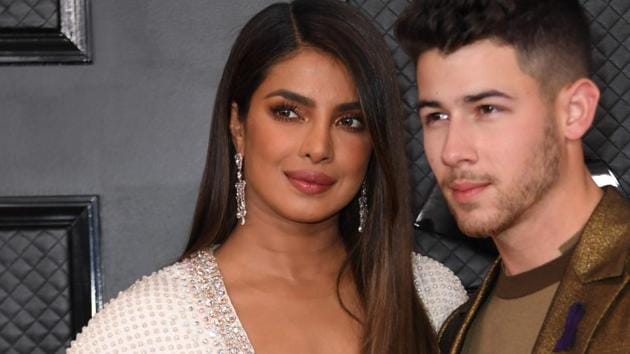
(219, 316)
(437, 287)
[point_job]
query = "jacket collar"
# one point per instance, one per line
(601, 253)
(593, 280)
(603, 246)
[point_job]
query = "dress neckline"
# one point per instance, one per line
(219, 315)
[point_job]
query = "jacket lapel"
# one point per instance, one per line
(594, 277)
(460, 321)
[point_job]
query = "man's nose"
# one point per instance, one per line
(459, 146)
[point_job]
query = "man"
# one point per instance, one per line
(504, 99)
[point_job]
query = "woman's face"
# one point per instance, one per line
(305, 144)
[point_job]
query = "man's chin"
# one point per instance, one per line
(471, 223)
(478, 234)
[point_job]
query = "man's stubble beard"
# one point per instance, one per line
(540, 172)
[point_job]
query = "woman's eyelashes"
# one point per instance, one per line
(292, 113)
(352, 122)
(285, 111)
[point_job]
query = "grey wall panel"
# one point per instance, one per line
(131, 127)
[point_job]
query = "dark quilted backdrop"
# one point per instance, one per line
(608, 140)
(34, 291)
(29, 14)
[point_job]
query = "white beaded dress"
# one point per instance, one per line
(185, 308)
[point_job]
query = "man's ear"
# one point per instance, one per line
(578, 105)
(237, 129)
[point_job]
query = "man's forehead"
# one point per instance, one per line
(482, 69)
(482, 50)
(484, 44)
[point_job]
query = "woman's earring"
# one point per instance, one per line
(363, 207)
(241, 210)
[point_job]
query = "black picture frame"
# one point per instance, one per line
(79, 215)
(69, 43)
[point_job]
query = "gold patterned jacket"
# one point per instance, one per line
(597, 278)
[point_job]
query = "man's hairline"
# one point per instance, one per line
(547, 89)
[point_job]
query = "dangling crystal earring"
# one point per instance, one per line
(241, 211)
(363, 207)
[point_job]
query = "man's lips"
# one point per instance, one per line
(310, 182)
(466, 191)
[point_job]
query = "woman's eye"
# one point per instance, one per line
(352, 122)
(285, 112)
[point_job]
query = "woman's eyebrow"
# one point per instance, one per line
(293, 96)
(309, 102)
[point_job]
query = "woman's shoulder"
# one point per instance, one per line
(439, 289)
(151, 315)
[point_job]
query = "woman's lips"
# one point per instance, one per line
(465, 192)
(310, 182)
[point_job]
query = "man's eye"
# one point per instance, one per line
(435, 117)
(488, 108)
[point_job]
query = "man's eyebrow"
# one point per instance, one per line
(468, 99)
(486, 94)
(427, 103)
(293, 96)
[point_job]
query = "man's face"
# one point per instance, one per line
(489, 136)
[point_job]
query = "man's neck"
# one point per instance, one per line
(540, 233)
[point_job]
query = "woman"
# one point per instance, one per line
(301, 239)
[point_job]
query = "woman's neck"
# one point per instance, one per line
(287, 250)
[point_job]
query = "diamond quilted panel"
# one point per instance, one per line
(29, 14)
(608, 140)
(34, 291)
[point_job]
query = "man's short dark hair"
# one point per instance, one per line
(551, 37)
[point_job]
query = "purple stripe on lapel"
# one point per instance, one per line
(576, 312)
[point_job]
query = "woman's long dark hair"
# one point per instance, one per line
(380, 257)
